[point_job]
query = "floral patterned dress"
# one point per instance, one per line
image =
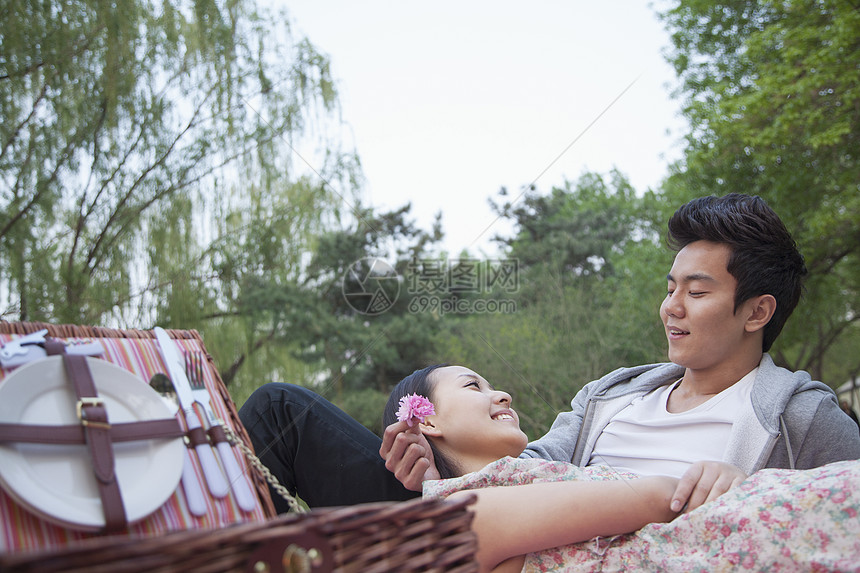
(776, 520)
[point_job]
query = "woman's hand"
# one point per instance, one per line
(407, 455)
(703, 482)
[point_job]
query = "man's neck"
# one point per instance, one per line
(698, 386)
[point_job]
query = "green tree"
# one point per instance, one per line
(770, 91)
(352, 354)
(571, 232)
(348, 330)
(254, 301)
(126, 127)
(149, 173)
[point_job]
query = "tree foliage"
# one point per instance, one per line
(571, 232)
(361, 348)
(770, 90)
(357, 353)
(125, 124)
(154, 169)
(149, 172)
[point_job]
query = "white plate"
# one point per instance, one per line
(57, 481)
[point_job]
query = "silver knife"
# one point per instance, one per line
(215, 479)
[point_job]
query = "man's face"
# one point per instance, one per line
(703, 330)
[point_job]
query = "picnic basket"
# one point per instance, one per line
(416, 535)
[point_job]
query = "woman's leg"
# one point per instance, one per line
(316, 450)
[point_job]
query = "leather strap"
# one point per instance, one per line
(94, 420)
(217, 435)
(167, 428)
(196, 437)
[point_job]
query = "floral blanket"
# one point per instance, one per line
(776, 520)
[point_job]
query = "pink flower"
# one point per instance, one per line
(414, 408)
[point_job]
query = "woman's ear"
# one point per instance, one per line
(429, 428)
(761, 311)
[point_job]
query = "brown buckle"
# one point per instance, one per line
(87, 403)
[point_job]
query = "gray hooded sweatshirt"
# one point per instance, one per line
(791, 420)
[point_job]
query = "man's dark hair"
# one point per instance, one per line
(764, 257)
(419, 383)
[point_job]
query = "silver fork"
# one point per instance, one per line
(194, 369)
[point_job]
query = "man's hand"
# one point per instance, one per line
(705, 481)
(407, 455)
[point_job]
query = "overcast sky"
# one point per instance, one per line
(448, 102)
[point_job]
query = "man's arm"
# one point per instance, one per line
(831, 437)
(704, 482)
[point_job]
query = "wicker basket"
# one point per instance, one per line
(417, 535)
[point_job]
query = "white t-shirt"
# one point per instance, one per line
(646, 439)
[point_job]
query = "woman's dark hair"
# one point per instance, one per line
(419, 383)
(764, 258)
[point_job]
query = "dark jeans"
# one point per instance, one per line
(316, 450)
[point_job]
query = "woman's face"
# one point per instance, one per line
(474, 423)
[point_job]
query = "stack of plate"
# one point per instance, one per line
(57, 482)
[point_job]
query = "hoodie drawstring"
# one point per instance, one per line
(787, 442)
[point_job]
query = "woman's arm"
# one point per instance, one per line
(408, 455)
(516, 520)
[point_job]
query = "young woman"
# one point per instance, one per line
(475, 426)
(538, 521)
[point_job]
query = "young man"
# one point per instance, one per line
(721, 409)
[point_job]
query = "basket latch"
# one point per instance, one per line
(302, 552)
